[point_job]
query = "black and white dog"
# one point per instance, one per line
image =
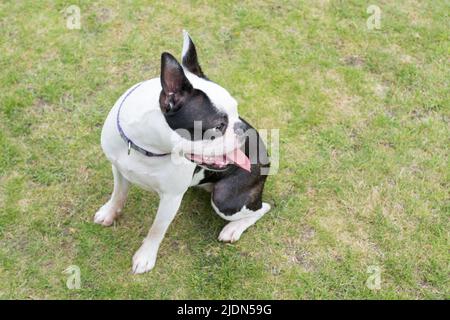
(176, 131)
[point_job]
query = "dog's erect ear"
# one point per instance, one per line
(189, 58)
(173, 79)
(175, 84)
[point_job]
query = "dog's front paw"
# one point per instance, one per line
(231, 232)
(105, 215)
(144, 259)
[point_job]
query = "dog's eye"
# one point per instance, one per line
(220, 127)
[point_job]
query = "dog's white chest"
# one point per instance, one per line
(157, 174)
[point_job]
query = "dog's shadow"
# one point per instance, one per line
(195, 217)
(197, 212)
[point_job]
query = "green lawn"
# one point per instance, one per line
(364, 145)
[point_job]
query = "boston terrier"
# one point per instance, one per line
(181, 130)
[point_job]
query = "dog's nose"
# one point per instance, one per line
(239, 128)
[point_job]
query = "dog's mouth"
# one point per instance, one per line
(221, 162)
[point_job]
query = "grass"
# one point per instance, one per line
(364, 138)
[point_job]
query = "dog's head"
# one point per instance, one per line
(201, 112)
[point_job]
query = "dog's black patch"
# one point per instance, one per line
(182, 105)
(235, 187)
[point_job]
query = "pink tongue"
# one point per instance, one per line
(239, 158)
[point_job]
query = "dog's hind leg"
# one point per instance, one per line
(237, 198)
(110, 210)
(240, 222)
